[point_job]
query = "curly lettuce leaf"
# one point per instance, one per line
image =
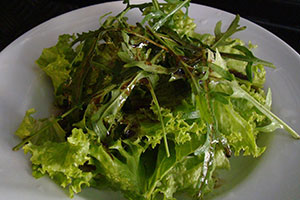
(185, 175)
(121, 166)
(62, 161)
(241, 134)
(183, 171)
(276, 122)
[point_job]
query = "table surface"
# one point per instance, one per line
(281, 17)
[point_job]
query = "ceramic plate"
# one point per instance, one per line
(274, 176)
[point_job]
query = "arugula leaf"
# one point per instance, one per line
(220, 38)
(249, 71)
(80, 74)
(224, 73)
(148, 67)
(248, 59)
(250, 55)
(156, 103)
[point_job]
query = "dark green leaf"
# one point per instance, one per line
(221, 37)
(247, 59)
(249, 72)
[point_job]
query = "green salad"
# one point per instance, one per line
(152, 109)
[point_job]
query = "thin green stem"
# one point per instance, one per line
(160, 117)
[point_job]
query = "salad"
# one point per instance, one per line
(152, 109)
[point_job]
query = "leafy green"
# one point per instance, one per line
(148, 67)
(220, 38)
(56, 61)
(240, 93)
(152, 109)
(239, 133)
(30, 126)
(125, 175)
(61, 160)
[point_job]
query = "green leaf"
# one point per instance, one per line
(221, 37)
(164, 164)
(240, 134)
(124, 172)
(163, 20)
(222, 72)
(220, 96)
(30, 126)
(248, 59)
(185, 175)
(192, 146)
(61, 161)
(182, 178)
(107, 112)
(56, 61)
(240, 93)
(82, 70)
(148, 67)
(249, 54)
(217, 30)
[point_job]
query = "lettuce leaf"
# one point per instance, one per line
(56, 61)
(62, 161)
(30, 126)
(185, 175)
(121, 166)
(240, 134)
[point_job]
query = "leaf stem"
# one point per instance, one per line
(160, 118)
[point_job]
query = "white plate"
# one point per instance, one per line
(274, 176)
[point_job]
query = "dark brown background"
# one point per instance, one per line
(281, 17)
